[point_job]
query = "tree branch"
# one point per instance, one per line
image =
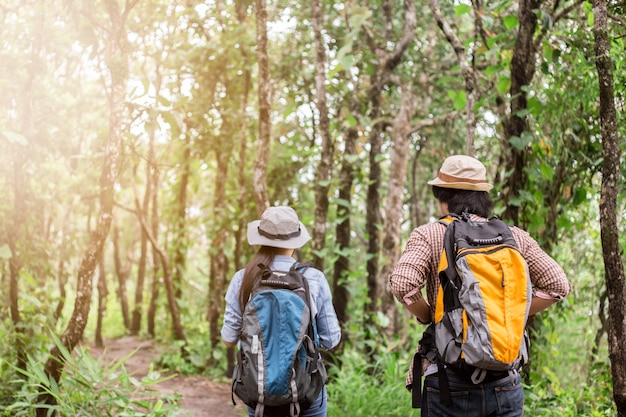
(563, 14)
(432, 122)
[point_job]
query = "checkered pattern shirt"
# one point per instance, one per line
(417, 266)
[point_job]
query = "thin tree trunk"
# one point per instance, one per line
(217, 279)
(341, 295)
(243, 189)
(180, 247)
(401, 137)
(323, 173)
(467, 71)
(156, 280)
(609, 233)
(102, 300)
(15, 232)
(143, 257)
(15, 262)
(117, 63)
(372, 216)
(179, 333)
(122, 275)
(61, 273)
(139, 287)
(150, 194)
(242, 178)
(260, 163)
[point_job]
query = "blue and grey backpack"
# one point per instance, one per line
(279, 370)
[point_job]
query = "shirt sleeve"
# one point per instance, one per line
(410, 273)
(546, 275)
(328, 327)
(232, 313)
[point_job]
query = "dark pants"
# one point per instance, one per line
(500, 398)
(317, 409)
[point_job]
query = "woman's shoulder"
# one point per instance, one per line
(313, 272)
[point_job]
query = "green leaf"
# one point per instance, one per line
(462, 9)
(14, 137)
(5, 252)
(492, 70)
(382, 319)
(344, 50)
(504, 84)
(170, 119)
(510, 22)
(547, 171)
(164, 101)
(580, 196)
(519, 143)
(535, 105)
(459, 98)
(348, 61)
(359, 15)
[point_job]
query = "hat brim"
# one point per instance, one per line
(480, 186)
(254, 238)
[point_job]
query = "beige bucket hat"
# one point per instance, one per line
(278, 227)
(462, 172)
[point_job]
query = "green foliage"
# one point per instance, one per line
(186, 359)
(593, 398)
(89, 387)
(369, 388)
(377, 388)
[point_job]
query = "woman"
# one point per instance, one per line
(279, 233)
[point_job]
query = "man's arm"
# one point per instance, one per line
(229, 344)
(538, 304)
(421, 310)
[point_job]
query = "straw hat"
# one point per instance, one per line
(463, 173)
(278, 227)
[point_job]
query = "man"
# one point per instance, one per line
(461, 186)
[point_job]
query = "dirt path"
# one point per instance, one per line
(199, 396)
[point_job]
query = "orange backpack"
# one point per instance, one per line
(482, 303)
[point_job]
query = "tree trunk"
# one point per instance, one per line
(243, 188)
(611, 250)
(179, 333)
(178, 242)
(141, 278)
(147, 196)
(401, 137)
(382, 77)
(102, 300)
(15, 262)
(323, 173)
(372, 216)
(522, 72)
(261, 197)
(116, 60)
(217, 278)
(156, 280)
(467, 71)
(61, 272)
(122, 275)
(341, 271)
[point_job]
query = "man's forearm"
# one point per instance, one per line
(421, 310)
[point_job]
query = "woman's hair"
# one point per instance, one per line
(459, 201)
(265, 255)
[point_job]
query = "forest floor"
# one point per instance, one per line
(199, 396)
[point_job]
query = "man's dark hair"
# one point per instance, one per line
(459, 201)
